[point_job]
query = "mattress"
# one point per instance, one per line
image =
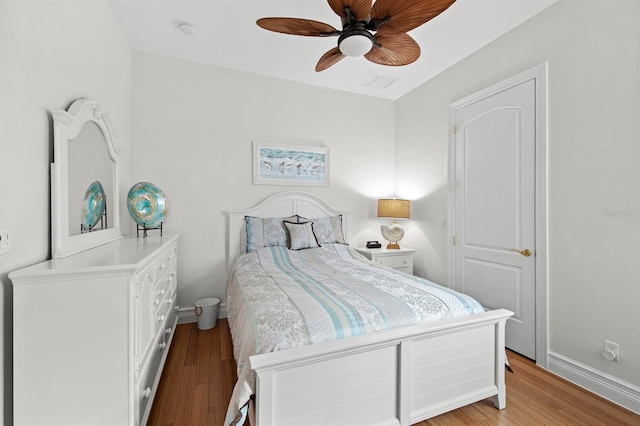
(279, 299)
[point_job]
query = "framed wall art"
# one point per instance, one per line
(284, 164)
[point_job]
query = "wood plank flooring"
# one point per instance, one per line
(200, 373)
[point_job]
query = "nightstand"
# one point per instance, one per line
(400, 259)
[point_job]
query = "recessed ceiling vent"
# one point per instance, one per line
(381, 82)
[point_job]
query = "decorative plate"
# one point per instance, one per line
(93, 205)
(147, 205)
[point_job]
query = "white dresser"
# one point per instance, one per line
(91, 333)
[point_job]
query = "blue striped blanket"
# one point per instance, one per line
(279, 299)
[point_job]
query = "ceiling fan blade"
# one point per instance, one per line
(359, 8)
(298, 26)
(394, 50)
(330, 58)
(401, 16)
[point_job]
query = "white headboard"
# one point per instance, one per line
(278, 205)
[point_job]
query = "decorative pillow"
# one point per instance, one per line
(266, 231)
(328, 229)
(301, 236)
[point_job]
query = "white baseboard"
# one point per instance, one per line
(188, 314)
(602, 384)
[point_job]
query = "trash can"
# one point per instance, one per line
(207, 312)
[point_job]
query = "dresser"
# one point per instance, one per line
(400, 259)
(91, 333)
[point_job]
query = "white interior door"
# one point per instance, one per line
(494, 204)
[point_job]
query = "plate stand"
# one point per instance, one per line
(144, 229)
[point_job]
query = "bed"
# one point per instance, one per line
(397, 373)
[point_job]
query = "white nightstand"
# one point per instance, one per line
(400, 259)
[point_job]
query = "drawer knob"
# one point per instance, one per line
(161, 318)
(170, 301)
(177, 308)
(162, 346)
(168, 330)
(146, 393)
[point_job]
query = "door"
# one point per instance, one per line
(494, 207)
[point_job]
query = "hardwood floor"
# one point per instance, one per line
(200, 373)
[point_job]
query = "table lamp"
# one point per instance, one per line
(395, 209)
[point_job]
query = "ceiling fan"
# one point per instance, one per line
(378, 32)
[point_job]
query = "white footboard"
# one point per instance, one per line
(396, 377)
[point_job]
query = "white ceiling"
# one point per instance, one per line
(226, 35)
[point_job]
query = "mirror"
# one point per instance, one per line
(88, 162)
(84, 179)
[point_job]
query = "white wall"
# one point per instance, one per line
(593, 169)
(194, 125)
(192, 132)
(50, 54)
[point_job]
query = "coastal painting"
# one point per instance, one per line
(282, 164)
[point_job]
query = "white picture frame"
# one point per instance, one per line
(288, 164)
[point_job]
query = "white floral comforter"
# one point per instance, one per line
(279, 299)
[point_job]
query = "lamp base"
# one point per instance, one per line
(393, 246)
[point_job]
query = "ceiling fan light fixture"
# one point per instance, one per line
(355, 44)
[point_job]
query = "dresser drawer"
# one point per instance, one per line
(165, 285)
(162, 314)
(146, 386)
(172, 320)
(166, 260)
(398, 261)
(165, 273)
(406, 270)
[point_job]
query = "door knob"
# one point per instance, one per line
(525, 252)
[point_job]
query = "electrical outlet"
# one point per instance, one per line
(5, 246)
(611, 351)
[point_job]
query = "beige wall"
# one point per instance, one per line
(51, 53)
(193, 129)
(593, 54)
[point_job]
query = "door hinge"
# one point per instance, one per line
(454, 185)
(455, 129)
(453, 240)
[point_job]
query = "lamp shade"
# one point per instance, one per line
(394, 208)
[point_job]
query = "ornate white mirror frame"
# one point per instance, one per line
(67, 126)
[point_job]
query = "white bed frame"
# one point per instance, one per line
(396, 377)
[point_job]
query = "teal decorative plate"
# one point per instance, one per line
(93, 205)
(147, 205)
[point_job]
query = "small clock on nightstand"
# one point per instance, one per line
(400, 259)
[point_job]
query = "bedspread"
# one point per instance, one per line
(279, 299)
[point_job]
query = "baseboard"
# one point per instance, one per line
(611, 388)
(188, 314)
